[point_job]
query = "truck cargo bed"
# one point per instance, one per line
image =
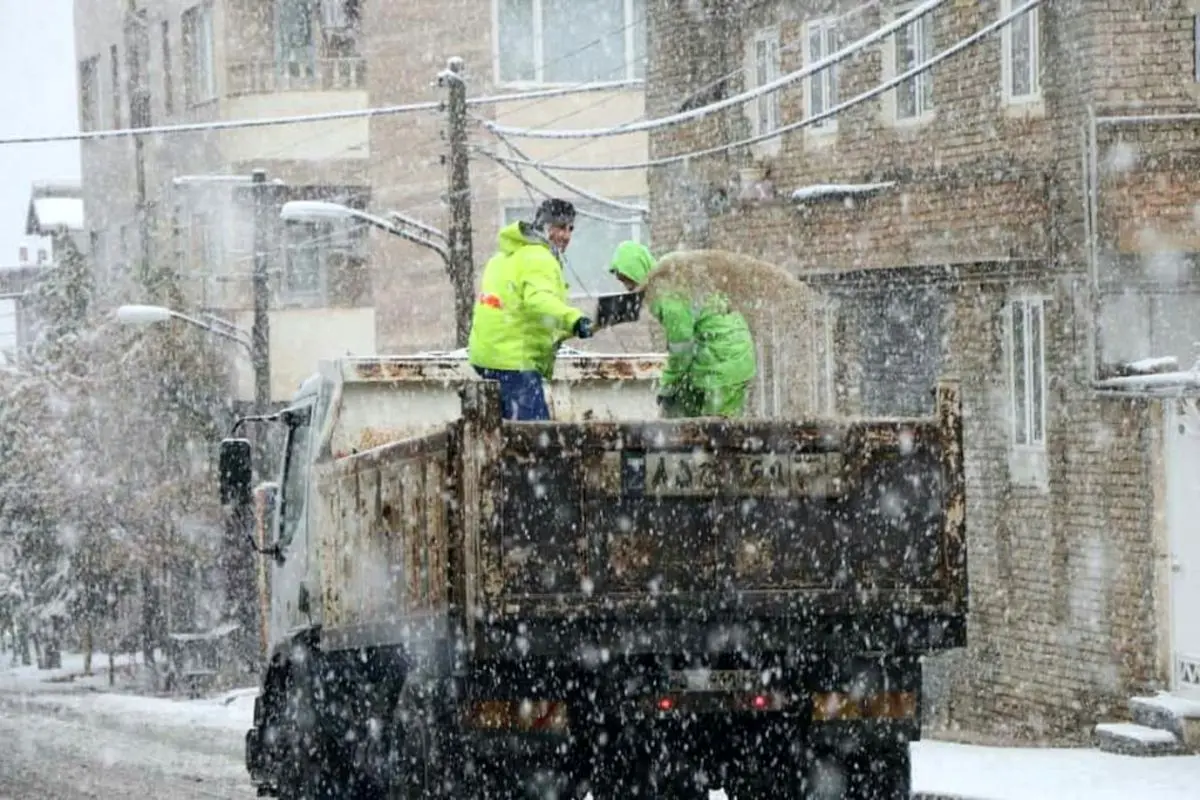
(537, 525)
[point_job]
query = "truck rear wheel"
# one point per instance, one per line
(863, 775)
(426, 766)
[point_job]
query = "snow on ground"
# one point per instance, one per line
(1023, 773)
(939, 768)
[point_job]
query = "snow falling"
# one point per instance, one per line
(599, 398)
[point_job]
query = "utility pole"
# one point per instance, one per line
(461, 263)
(260, 333)
(136, 59)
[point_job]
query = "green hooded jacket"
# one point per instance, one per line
(709, 344)
(521, 314)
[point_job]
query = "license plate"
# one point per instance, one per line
(700, 474)
(714, 680)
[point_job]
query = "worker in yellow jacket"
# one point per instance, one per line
(521, 315)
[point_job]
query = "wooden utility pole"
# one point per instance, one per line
(137, 40)
(260, 332)
(461, 263)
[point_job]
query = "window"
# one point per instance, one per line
(1021, 65)
(823, 41)
(766, 69)
(1027, 330)
(113, 57)
(1196, 46)
(592, 245)
(295, 44)
(896, 334)
(89, 94)
(312, 251)
(824, 322)
(570, 41)
(199, 85)
(168, 80)
(9, 326)
(914, 46)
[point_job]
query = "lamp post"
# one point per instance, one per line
(153, 315)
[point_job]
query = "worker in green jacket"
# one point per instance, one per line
(521, 316)
(710, 362)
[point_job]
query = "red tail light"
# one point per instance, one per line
(760, 701)
(665, 704)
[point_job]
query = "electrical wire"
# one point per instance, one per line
(326, 116)
(529, 186)
(787, 48)
(728, 102)
(870, 94)
(570, 187)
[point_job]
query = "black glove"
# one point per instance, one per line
(583, 328)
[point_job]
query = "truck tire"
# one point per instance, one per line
(874, 775)
(426, 767)
(311, 770)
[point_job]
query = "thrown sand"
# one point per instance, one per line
(780, 310)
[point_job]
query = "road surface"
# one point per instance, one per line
(60, 753)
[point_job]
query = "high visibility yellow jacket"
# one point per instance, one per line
(521, 315)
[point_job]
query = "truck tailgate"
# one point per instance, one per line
(646, 516)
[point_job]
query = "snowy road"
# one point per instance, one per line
(70, 751)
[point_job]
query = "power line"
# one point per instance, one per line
(785, 49)
(711, 108)
(804, 123)
(327, 116)
(570, 187)
(580, 211)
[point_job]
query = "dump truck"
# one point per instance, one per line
(607, 603)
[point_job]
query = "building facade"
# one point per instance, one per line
(163, 62)
(508, 46)
(968, 223)
(336, 289)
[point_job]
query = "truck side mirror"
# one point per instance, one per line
(235, 471)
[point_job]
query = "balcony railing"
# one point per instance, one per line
(321, 74)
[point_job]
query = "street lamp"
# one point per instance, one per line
(397, 224)
(153, 315)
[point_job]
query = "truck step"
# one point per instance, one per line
(1131, 739)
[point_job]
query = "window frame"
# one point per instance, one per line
(824, 378)
(114, 89)
(89, 94)
(190, 26)
(325, 239)
(1196, 47)
(168, 78)
(926, 26)
(1024, 409)
(635, 68)
(828, 77)
(770, 38)
(1007, 65)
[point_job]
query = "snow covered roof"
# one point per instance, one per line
(54, 206)
(822, 191)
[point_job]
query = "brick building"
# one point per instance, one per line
(949, 227)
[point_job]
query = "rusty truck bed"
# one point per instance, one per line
(698, 522)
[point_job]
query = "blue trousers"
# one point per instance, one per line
(521, 394)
